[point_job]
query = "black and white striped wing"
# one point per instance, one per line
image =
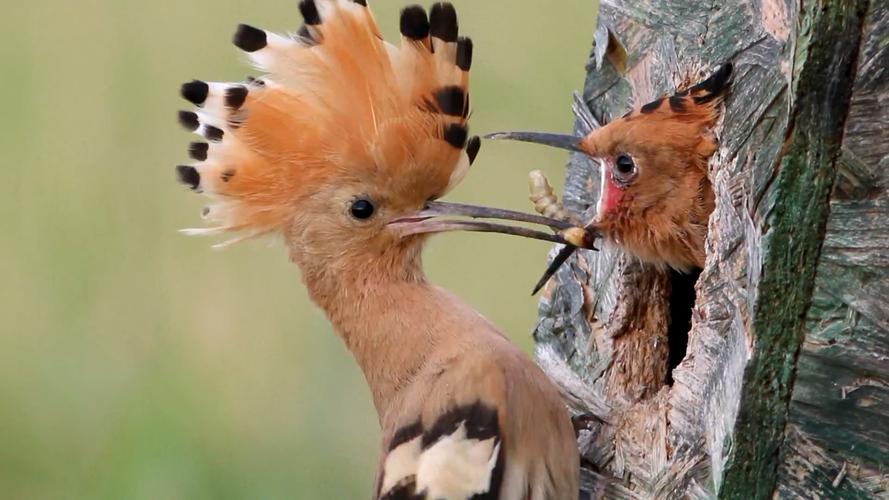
(459, 456)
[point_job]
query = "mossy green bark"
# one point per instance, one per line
(791, 309)
(823, 73)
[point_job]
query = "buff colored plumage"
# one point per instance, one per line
(343, 147)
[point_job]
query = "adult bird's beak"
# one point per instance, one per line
(428, 221)
(573, 237)
(561, 141)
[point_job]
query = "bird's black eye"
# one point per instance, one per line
(362, 209)
(625, 165)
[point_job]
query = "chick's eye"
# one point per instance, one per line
(362, 209)
(625, 165)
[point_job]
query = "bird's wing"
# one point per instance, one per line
(460, 455)
(484, 429)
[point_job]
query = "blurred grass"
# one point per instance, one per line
(137, 363)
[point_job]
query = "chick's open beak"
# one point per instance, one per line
(430, 220)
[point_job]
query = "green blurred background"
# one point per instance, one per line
(138, 363)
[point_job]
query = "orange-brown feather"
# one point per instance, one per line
(661, 216)
(343, 120)
(344, 105)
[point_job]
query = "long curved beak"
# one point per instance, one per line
(561, 141)
(429, 220)
(573, 237)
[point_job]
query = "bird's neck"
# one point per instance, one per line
(387, 314)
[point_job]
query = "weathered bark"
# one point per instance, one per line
(784, 387)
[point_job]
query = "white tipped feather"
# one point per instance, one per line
(215, 97)
(277, 54)
(203, 231)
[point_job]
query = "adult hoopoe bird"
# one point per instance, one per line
(655, 196)
(342, 148)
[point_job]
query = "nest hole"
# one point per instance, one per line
(682, 302)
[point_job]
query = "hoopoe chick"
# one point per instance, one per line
(655, 197)
(343, 148)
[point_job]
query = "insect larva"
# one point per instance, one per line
(545, 201)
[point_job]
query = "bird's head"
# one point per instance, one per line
(653, 171)
(645, 155)
(374, 201)
(648, 156)
(347, 142)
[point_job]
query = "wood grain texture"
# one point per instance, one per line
(838, 437)
(733, 416)
(794, 218)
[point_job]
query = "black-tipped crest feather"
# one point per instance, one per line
(464, 53)
(715, 86)
(472, 148)
(677, 104)
(249, 39)
(443, 22)
(309, 11)
(195, 92)
(456, 135)
(213, 134)
(305, 36)
(652, 106)
(414, 23)
(235, 96)
(451, 100)
(198, 151)
(189, 120)
(188, 176)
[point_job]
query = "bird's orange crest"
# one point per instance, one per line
(337, 104)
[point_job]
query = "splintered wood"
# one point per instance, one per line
(796, 263)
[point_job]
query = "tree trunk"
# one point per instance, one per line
(783, 384)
